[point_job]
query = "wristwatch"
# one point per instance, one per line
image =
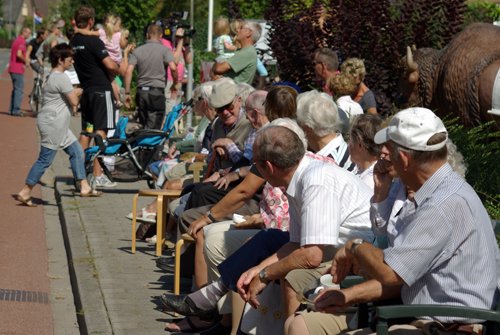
(263, 276)
(211, 217)
(356, 243)
(238, 172)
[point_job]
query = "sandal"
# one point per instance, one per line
(26, 202)
(145, 216)
(191, 327)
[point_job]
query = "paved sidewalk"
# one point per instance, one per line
(117, 290)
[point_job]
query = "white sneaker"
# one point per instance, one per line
(103, 181)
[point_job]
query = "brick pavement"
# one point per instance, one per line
(115, 291)
(35, 295)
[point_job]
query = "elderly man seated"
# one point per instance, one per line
(311, 181)
(433, 255)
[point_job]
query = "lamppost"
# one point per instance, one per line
(10, 19)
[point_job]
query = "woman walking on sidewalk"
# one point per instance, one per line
(59, 98)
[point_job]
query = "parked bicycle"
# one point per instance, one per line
(36, 92)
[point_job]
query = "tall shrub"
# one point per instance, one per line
(377, 31)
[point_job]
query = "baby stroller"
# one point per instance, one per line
(130, 155)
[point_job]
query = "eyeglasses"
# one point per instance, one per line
(229, 106)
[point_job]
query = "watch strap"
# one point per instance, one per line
(211, 217)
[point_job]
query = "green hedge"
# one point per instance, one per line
(480, 147)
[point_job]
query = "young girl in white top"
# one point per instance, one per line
(223, 44)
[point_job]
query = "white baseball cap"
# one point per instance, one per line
(412, 128)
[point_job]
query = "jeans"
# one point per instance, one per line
(46, 158)
(17, 93)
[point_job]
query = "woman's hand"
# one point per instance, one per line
(251, 222)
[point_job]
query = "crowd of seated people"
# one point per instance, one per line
(385, 200)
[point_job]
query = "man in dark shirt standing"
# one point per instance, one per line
(95, 68)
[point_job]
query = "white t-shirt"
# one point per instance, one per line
(349, 106)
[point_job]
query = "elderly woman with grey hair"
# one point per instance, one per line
(318, 116)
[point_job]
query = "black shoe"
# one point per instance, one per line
(166, 260)
(166, 264)
(182, 304)
(217, 329)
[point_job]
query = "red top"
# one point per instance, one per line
(16, 65)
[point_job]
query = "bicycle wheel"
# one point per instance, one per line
(35, 97)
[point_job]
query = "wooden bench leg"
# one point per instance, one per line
(134, 221)
(160, 224)
(177, 273)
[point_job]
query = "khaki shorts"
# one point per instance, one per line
(302, 280)
(325, 323)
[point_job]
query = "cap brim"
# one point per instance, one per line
(219, 102)
(382, 136)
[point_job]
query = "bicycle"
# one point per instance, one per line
(36, 92)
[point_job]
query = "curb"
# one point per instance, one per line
(93, 318)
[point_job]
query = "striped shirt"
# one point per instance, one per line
(338, 149)
(445, 249)
(384, 214)
(328, 205)
(235, 154)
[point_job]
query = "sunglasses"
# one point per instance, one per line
(229, 106)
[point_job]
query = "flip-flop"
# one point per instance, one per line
(192, 328)
(93, 193)
(27, 202)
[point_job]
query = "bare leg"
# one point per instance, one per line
(25, 192)
(84, 141)
(116, 92)
(290, 298)
(295, 325)
(97, 167)
(84, 186)
(171, 225)
(200, 265)
(238, 306)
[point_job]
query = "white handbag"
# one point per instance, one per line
(269, 317)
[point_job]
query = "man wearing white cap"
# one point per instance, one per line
(433, 255)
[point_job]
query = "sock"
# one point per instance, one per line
(207, 297)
